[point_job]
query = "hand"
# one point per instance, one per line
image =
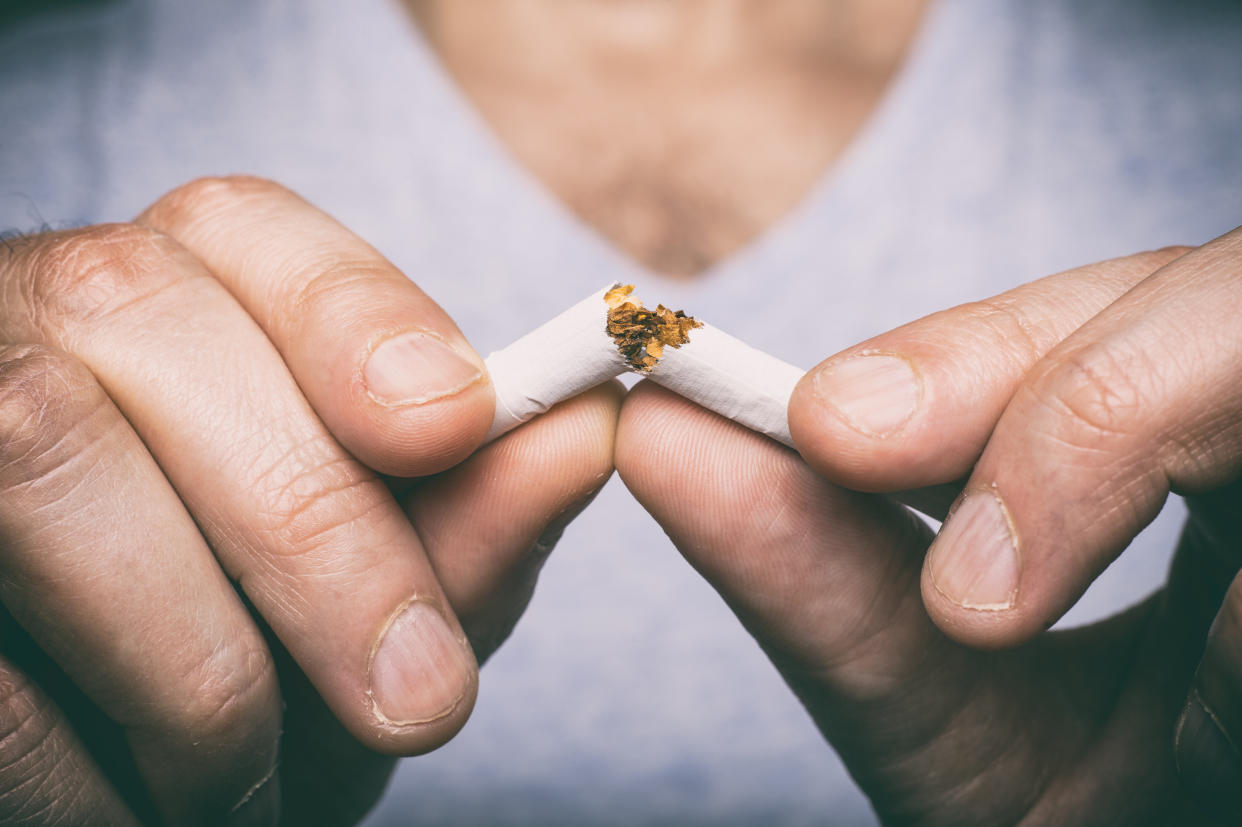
(191, 407)
(1069, 407)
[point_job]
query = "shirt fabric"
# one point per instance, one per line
(1019, 139)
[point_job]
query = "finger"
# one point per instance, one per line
(387, 370)
(101, 564)
(487, 530)
(1209, 733)
(811, 569)
(326, 775)
(315, 540)
(826, 579)
(1144, 398)
(47, 776)
(914, 407)
(488, 527)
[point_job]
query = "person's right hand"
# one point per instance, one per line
(199, 404)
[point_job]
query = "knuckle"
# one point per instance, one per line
(329, 284)
(29, 748)
(1098, 390)
(45, 396)
(15, 244)
(235, 700)
(77, 276)
(322, 280)
(311, 494)
(1002, 322)
(208, 196)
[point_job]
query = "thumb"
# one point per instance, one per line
(825, 579)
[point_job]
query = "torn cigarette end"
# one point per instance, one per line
(641, 334)
(708, 366)
(611, 332)
(568, 354)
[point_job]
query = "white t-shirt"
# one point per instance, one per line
(1020, 139)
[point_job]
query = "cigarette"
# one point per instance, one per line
(556, 361)
(610, 333)
(728, 376)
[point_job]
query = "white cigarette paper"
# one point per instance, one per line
(576, 351)
(556, 361)
(728, 376)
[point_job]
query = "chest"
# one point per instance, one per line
(679, 172)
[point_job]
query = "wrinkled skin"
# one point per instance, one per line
(199, 557)
(1075, 404)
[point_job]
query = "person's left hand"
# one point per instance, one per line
(195, 411)
(1071, 407)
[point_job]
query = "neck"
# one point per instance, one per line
(680, 129)
(641, 38)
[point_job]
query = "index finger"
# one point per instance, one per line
(914, 407)
(382, 364)
(1143, 400)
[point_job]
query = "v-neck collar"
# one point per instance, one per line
(471, 133)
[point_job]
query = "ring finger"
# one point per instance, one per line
(104, 568)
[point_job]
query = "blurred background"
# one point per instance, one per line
(1014, 140)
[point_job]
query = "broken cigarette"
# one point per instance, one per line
(558, 360)
(611, 332)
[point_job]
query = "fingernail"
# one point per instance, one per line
(1209, 763)
(260, 806)
(421, 670)
(974, 560)
(413, 368)
(876, 393)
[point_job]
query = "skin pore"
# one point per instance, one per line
(678, 130)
